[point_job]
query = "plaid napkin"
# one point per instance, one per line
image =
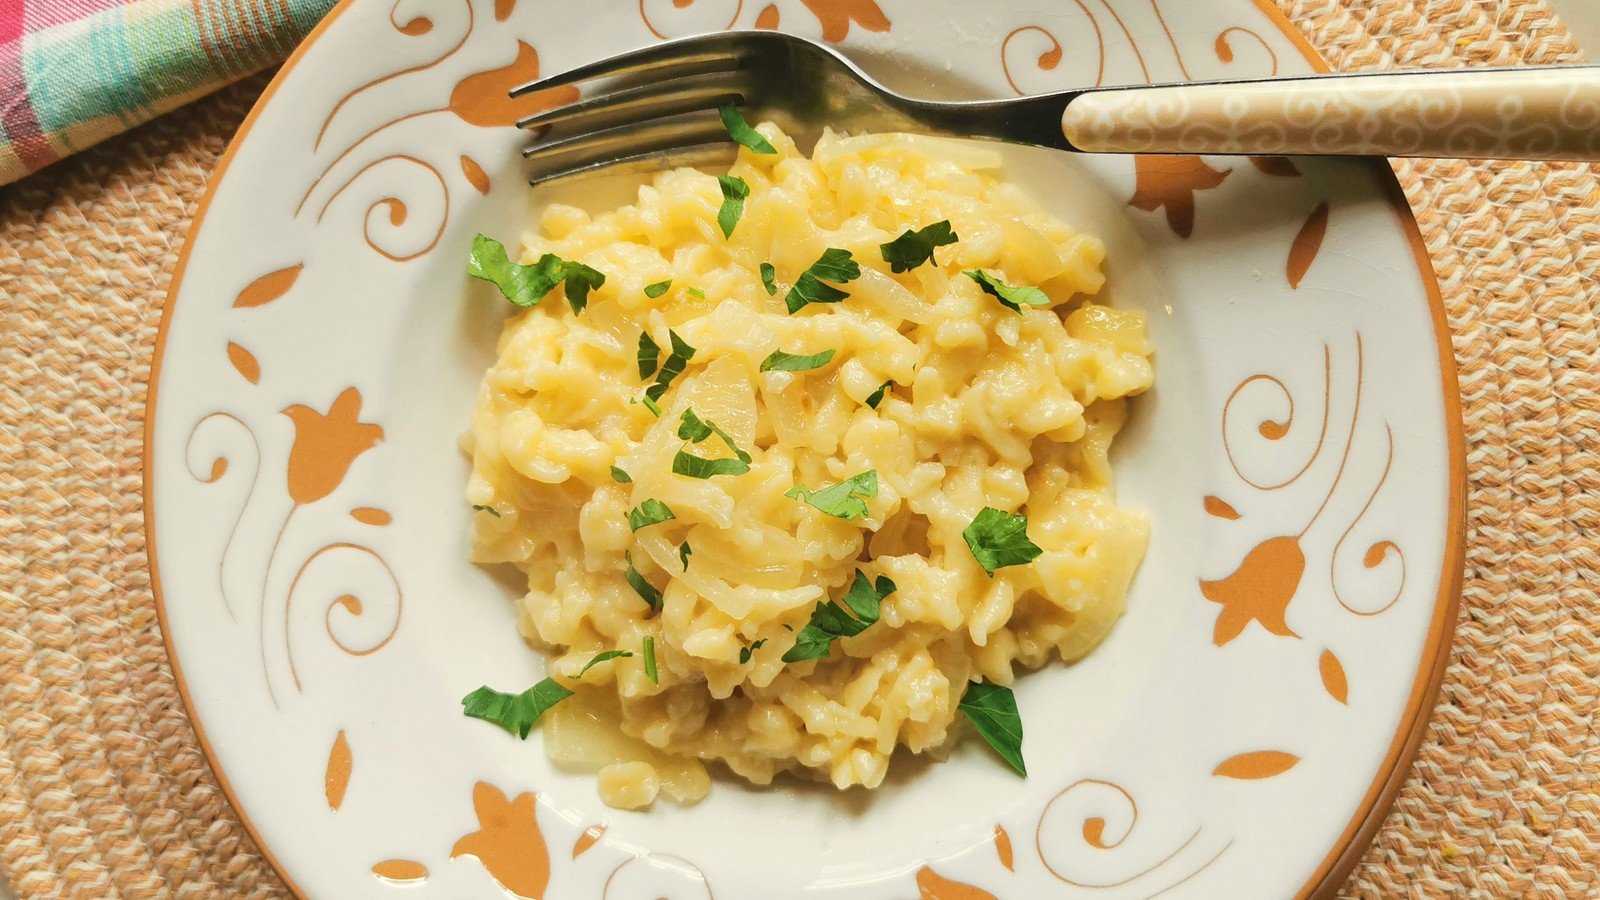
(75, 72)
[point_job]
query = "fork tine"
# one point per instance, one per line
(654, 101)
(649, 136)
(689, 56)
(697, 155)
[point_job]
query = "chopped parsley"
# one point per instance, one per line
(691, 428)
(1009, 295)
(650, 659)
(650, 404)
(646, 591)
(831, 620)
(654, 291)
(526, 285)
(649, 355)
(488, 509)
(676, 362)
(780, 361)
(734, 192)
(913, 248)
(516, 713)
(650, 512)
(992, 709)
(700, 467)
(602, 657)
(834, 265)
(876, 397)
(769, 276)
(746, 652)
(999, 539)
(740, 130)
(684, 552)
(620, 477)
(696, 292)
(845, 500)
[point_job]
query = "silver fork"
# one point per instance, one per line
(659, 106)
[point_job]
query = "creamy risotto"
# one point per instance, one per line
(841, 453)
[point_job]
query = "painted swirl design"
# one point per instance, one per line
(394, 209)
(215, 472)
(657, 876)
(1271, 429)
(1377, 553)
(353, 607)
(1083, 828)
(688, 16)
(480, 99)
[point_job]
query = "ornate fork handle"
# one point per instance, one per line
(1533, 113)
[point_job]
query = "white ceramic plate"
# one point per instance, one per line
(1240, 733)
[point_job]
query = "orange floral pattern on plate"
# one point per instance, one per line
(1170, 182)
(508, 841)
(326, 444)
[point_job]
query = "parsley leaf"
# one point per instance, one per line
(1009, 295)
(700, 467)
(488, 509)
(620, 477)
(845, 500)
(992, 709)
(832, 620)
(650, 659)
(526, 285)
(769, 275)
(649, 355)
(746, 652)
(876, 397)
(656, 290)
(523, 285)
(602, 657)
(690, 428)
(734, 192)
(646, 591)
(999, 539)
(516, 713)
(780, 361)
(835, 265)
(580, 280)
(676, 362)
(684, 552)
(650, 512)
(740, 130)
(913, 248)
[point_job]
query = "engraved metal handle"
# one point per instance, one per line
(1527, 113)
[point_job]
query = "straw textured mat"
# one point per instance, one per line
(104, 792)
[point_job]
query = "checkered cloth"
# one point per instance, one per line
(75, 72)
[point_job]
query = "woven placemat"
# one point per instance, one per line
(104, 791)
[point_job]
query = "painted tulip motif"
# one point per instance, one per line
(837, 16)
(508, 841)
(1259, 590)
(1170, 182)
(326, 444)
